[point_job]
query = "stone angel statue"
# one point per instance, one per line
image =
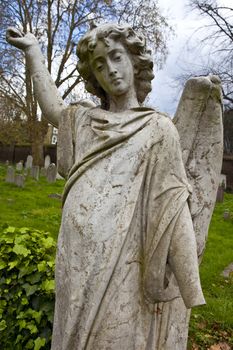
(138, 199)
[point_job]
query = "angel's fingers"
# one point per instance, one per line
(13, 33)
(215, 79)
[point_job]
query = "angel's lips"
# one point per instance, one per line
(116, 81)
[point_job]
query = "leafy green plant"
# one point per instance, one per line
(26, 288)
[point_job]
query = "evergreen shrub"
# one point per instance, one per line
(27, 259)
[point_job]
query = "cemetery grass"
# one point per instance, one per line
(210, 325)
(32, 205)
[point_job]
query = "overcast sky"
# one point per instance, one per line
(164, 96)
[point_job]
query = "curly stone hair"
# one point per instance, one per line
(135, 45)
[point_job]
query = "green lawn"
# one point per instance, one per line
(32, 206)
(213, 323)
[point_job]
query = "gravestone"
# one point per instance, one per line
(47, 161)
(220, 194)
(19, 180)
(19, 166)
(228, 271)
(223, 181)
(10, 175)
(222, 186)
(35, 171)
(43, 172)
(26, 172)
(29, 162)
(51, 173)
(226, 215)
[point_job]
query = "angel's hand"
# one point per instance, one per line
(214, 79)
(20, 40)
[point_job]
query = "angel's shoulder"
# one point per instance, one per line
(164, 124)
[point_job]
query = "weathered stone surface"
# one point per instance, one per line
(35, 172)
(127, 260)
(29, 162)
(201, 137)
(19, 180)
(223, 181)
(228, 271)
(26, 172)
(104, 229)
(43, 172)
(51, 173)
(220, 194)
(19, 166)
(47, 161)
(10, 175)
(226, 214)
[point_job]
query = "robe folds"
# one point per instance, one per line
(125, 229)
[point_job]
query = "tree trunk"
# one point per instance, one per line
(38, 152)
(38, 132)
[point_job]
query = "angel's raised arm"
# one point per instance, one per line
(49, 99)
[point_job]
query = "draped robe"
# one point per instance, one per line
(126, 244)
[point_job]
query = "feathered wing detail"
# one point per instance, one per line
(199, 122)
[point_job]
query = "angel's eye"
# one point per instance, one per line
(117, 57)
(99, 67)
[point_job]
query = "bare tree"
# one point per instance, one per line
(58, 24)
(216, 50)
(12, 126)
(218, 42)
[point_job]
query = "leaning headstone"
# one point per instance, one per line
(7, 162)
(47, 161)
(35, 171)
(19, 166)
(220, 194)
(29, 162)
(19, 180)
(43, 172)
(10, 175)
(52, 173)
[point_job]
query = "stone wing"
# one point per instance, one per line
(199, 122)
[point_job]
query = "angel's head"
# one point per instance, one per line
(112, 59)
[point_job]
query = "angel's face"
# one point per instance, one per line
(112, 67)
